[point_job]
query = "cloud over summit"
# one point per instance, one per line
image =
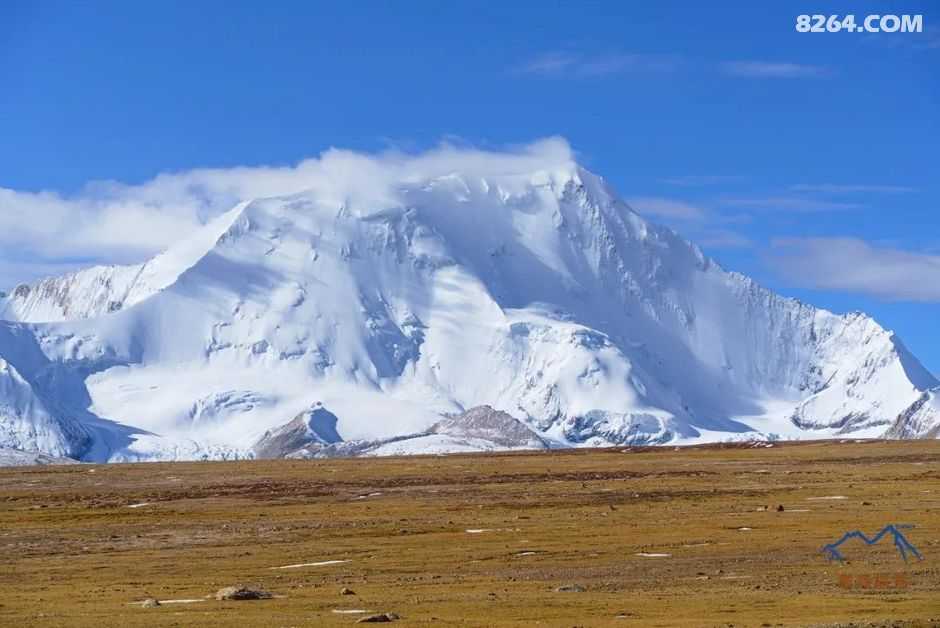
(112, 222)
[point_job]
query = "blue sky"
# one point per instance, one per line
(806, 160)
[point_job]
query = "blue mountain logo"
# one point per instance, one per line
(905, 547)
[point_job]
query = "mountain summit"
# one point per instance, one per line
(518, 283)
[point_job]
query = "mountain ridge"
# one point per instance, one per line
(535, 291)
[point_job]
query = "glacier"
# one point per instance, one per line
(522, 284)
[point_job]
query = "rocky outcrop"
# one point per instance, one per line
(313, 435)
(309, 430)
(486, 424)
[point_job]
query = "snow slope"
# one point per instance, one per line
(524, 285)
(20, 458)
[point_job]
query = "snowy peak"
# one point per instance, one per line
(525, 286)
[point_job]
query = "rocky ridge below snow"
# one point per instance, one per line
(312, 435)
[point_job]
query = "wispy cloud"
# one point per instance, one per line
(701, 180)
(549, 64)
(574, 64)
(723, 239)
(702, 225)
(667, 208)
(854, 265)
(581, 65)
(766, 69)
(831, 188)
(789, 204)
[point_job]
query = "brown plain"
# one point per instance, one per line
(615, 537)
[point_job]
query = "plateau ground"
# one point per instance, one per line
(711, 535)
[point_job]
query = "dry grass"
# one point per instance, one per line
(75, 553)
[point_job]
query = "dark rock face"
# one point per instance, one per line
(315, 427)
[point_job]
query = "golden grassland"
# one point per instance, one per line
(480, 540)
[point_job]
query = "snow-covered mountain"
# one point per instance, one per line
(533, 290)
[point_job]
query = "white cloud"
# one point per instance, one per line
(765, 69)
(853, 265)
(573, 64)
(692, 220)
(552, 63)
(569, 64)
(110, 222)
(723, 239)
(699, 180)
(667, 208)
(832, 188)
(790, 204)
